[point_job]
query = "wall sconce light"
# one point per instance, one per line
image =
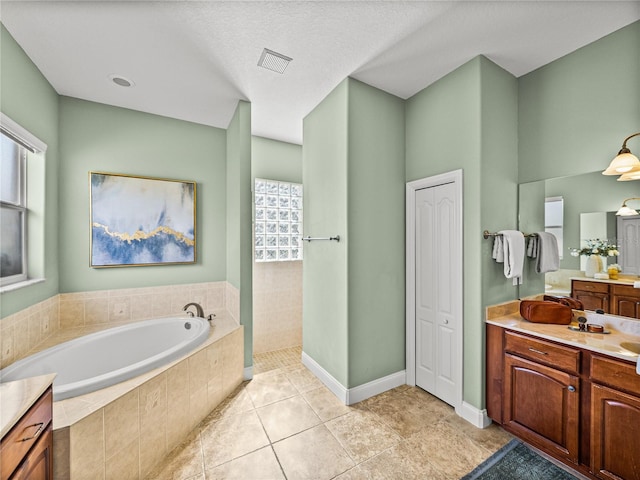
(625, 177)
(627, 211)
(625, 162)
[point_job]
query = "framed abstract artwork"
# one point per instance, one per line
(138, 221)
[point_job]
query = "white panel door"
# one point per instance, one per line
(629, 244)
(437, 315)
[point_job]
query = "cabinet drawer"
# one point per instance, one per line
(557, 356)
(615, 373)
(17, 443)
(626, 290)
(590, 286)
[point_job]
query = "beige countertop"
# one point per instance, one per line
(608, 344)
(17, 397)
(628, 281)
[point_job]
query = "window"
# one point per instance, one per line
(16, 145)
(278, 221)
(13, 213)
(554, 219)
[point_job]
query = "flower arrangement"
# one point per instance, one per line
(596, 247)
(615, 266)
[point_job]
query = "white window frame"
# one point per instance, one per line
(19, 207)
(27, 143)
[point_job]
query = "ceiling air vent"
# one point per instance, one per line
(273, 61)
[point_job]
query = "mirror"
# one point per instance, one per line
(592, 197)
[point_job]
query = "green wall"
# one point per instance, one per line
(353, 291)
(28, 99)
(376, 234)
(325, 271)
(275, 160)
(498, 175)
(239, 252)
(575, 112)
(97, 137)
(531, 219)
(467, 120)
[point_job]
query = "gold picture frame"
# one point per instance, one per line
(141, 221)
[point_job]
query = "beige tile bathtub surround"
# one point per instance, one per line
(134, 304)
(277, 305)
(79, 313)
(125, 430)
(23, 331)
(561, 279)
(232, 299)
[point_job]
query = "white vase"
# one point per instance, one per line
(593, 266)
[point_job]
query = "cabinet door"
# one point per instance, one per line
(38, 464)
(625, 301)
(592, 300)
(625, 306)
(615, 451)
(542, 406)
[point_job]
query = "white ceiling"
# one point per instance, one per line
(193, 60)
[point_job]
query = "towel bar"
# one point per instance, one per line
(309, 239)
(486, 234)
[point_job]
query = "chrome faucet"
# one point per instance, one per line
(199, 310)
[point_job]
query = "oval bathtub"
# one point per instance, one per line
(105, 358)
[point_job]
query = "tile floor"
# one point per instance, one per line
(284, 424)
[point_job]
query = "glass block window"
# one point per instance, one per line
(278, 221)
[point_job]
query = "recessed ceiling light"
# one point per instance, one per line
(121, 81)
(273, 61)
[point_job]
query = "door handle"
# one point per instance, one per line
(571, 388)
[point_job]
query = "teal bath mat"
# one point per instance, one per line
(518, 462)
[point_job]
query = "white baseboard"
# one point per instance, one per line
(325, 377)
(356, 394)
(376, 387)
(247, 373)
(473, 415)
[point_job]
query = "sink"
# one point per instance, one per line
(631, 346)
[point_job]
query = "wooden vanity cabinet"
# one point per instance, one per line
(541, 394)
(615, 419)
(26, 452)
(593, 295)
(38, 465)
(625, 301)
(580, 407)
(613, 298)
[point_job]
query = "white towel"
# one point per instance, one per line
(498, 249)
(513, 244)
(532, 246)
(547, 258)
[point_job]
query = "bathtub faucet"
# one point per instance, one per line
(199, 310)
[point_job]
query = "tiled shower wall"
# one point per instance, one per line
(277, 305)
(106, 308)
